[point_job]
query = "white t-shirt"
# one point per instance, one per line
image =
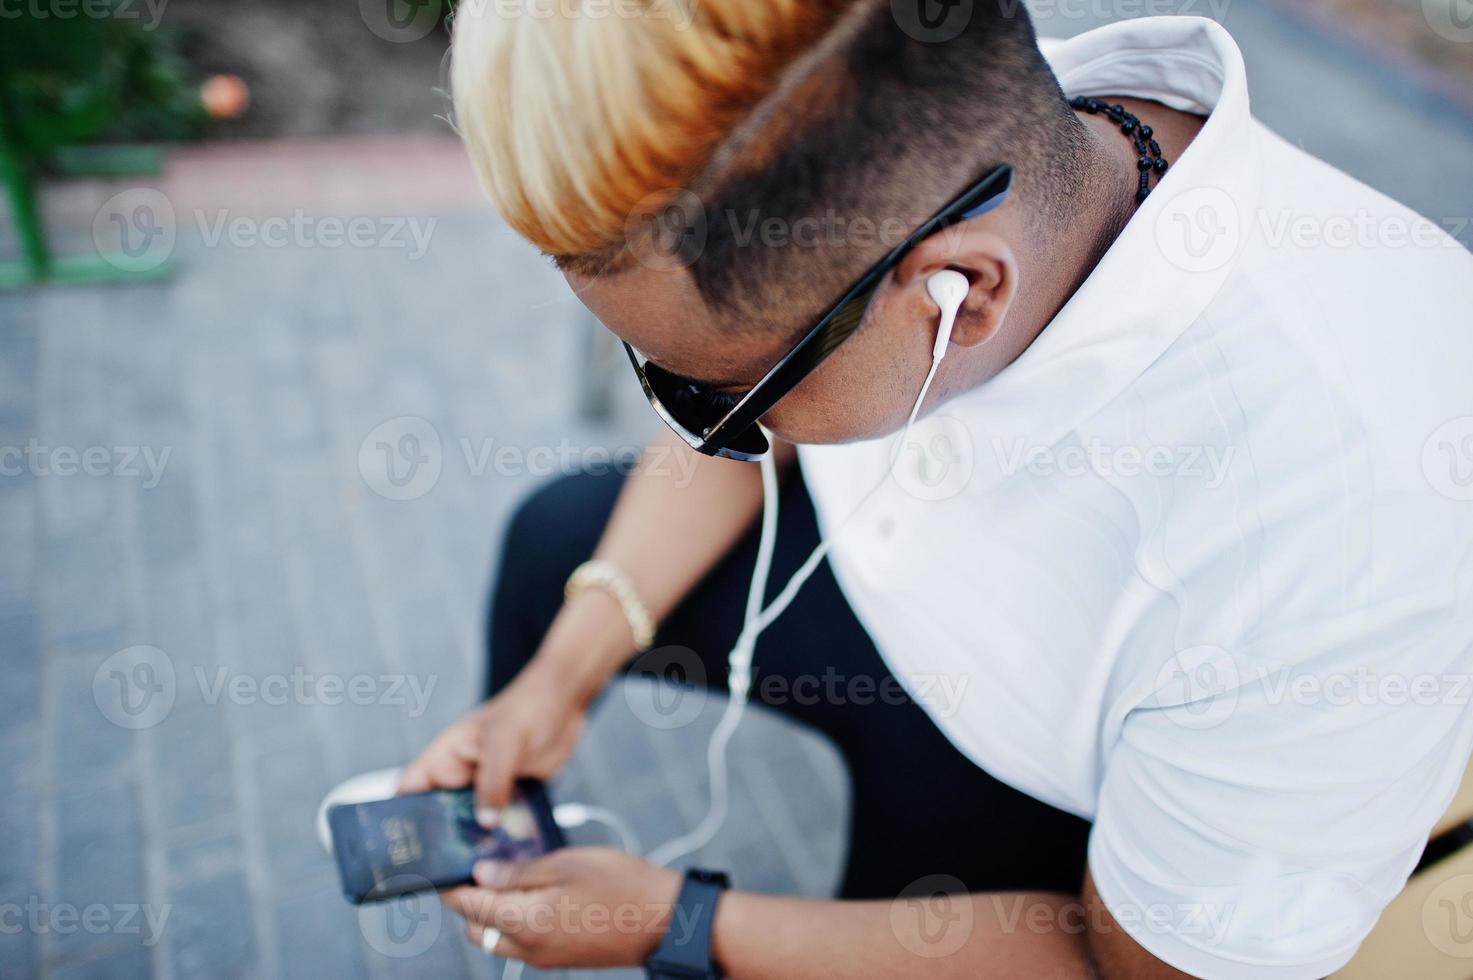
(1198, 565)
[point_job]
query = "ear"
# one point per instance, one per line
(984, 257)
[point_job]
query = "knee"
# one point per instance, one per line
(550, 532)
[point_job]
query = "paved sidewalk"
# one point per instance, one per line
(203, 474)
(240, 526)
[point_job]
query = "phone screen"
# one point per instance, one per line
(431, 840)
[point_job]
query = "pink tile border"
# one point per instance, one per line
(340, 175)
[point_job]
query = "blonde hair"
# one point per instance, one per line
(578, 114)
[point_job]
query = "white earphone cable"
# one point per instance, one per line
(739, 661)
(739, 672)
(570, 815)
(739, 679)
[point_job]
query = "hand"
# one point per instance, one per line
(529, 729)
(578, 907)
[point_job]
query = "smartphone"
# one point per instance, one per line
(425, 841)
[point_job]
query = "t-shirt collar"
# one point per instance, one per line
(1170, 260)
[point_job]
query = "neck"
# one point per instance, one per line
(1104, 201)
(1064, 246)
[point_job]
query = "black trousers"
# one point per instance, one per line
(919, 806)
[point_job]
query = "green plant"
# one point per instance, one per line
(70, 80)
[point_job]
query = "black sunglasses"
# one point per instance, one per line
(720, 424)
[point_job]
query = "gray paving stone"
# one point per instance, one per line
(189, 797)
(20, 652)
(119, 964)
(97, 862)
(318, 936)
(20, 953)
(20, 956)
(21, 757)
(89, 748)
(203, 936)
(212, 856)
(18, 533)
(166, 516)
(288, 783)
(20, 844)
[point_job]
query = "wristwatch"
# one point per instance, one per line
(685, 952)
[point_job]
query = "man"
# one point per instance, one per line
(1184, 526)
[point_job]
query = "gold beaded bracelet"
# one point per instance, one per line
(602, 574)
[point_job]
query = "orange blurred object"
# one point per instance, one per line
(225, 96)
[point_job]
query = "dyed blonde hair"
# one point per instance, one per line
(578, 114)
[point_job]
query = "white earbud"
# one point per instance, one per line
(948, 288)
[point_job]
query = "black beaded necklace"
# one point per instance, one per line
(1150, 160)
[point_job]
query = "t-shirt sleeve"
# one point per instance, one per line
(1254, 819)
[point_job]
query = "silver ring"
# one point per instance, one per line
(490, 938)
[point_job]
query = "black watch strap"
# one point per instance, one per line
(685, 952)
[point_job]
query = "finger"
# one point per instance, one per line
(515, 913)
(495, 772)
(519, 875)
(448, 763)
(439, 772)
(470, 903)
(506, 946)
(414, 779)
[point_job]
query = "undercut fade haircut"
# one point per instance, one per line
(801, 138)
